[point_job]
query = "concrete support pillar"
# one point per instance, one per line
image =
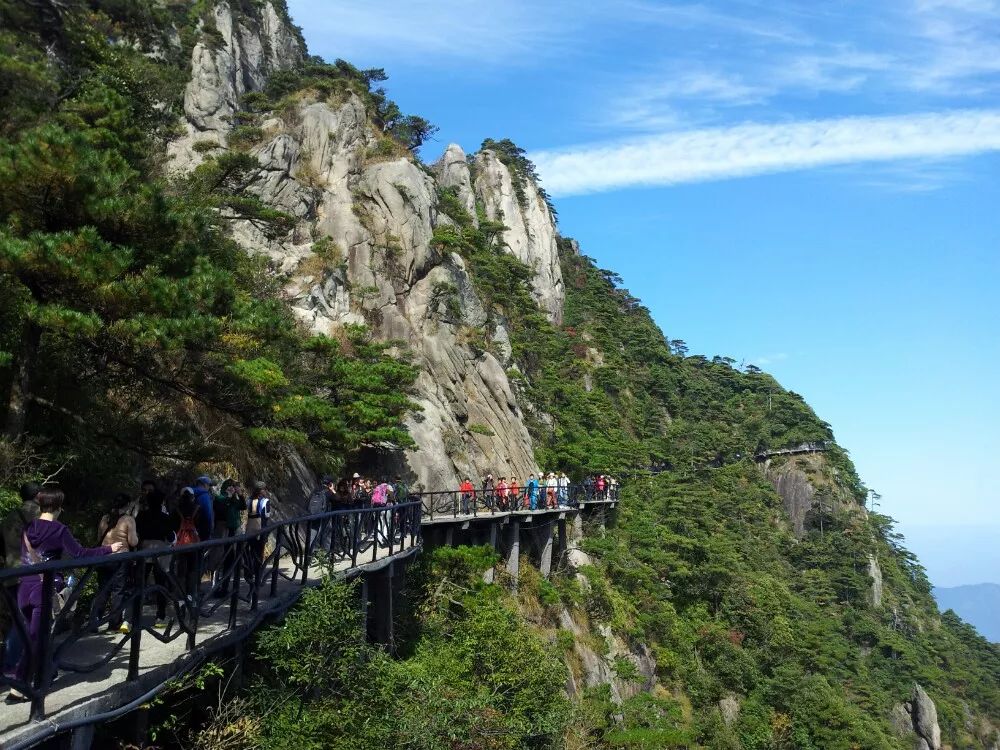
(576, 527)
(561, 542)
(545, 545)
(449, 537)
(512, 551)
(381, 611)
(363, 597)
(494, 533)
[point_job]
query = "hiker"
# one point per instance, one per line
(400, 494)
(601, 486)
(380, 499)
(157, 528)
(514, 490)
(203, 496)
(45, 539)
(563, 489)
(187, 569)
(357, 491)
(342, 500)
(502, 494)
(550, 490)
(258, 514)
(531, 490)
(13, 526)
(468, 496)
(228, 508)
(321, 501)
(113, 586)
(588, 488)
(489, 490)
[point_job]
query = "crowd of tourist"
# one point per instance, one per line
(170, 520)
(154, 519)
(545, 491)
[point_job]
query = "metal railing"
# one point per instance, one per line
(247, 569)
(490, 502)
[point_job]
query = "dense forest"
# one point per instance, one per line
(138, 336)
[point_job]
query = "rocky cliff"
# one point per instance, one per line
(362, 249)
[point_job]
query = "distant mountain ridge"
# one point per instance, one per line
(978, 604)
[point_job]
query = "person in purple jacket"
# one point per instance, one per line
(45, 539)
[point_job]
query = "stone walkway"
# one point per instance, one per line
(75, 697)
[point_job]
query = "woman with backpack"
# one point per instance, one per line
(186, 563)
(45, 539)
(258, 514)
(116, 526)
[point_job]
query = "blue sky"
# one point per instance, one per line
(813, 189)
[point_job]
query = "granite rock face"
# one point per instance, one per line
(237, 57)
(917, 719)
(362, 250)
(531, 230)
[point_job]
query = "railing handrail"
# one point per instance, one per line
(117, 558)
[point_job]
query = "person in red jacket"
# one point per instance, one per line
(468, 495)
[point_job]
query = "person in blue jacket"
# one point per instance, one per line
(205, 498)
(532, 489)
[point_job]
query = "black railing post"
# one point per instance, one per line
(356, 521)
(306, 552)
(43, 655)
(195, 597)
(277, 557)
(234, 597)
(138, 574)
(376, 516)
(392, 531)
(257, 571)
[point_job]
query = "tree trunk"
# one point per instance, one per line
(24, 366)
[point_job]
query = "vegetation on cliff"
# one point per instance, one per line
(135, 332)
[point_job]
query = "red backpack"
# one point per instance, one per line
(187, 533)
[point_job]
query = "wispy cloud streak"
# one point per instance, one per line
(744, 150)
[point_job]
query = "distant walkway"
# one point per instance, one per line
(454, 504)
(817, 447)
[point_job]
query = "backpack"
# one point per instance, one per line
(255, 518)
(113, 518)
(187, 533)
(318, 502)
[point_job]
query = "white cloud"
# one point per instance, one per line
(666, 99)
(723, 153)
(436, 32)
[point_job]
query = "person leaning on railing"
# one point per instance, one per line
(13, 526)
(45, 539)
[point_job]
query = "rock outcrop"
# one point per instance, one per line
(917, 718)
(875, 573)
(796, 491)
(531, 230)
(235, 55)
(362, 250)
